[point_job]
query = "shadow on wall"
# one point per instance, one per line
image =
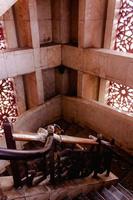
(99, 117)
(102, 119)
(39, 116)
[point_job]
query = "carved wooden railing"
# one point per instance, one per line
(63, 158)
(15, 155)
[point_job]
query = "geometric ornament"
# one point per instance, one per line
(2, 37)
(8, 107)
(121, 96)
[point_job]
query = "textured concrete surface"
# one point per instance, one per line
(56, 192)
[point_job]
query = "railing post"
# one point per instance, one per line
(108, 156)
(12, 145)
(97, 159)
(10, 142)
(52, 167)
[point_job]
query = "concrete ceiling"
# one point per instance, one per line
(5, 5)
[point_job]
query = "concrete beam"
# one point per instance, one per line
(50, 56)
(92, 17)
(105, 63)
(16, 63)
(20, 62)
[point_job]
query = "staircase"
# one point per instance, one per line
(117, 192)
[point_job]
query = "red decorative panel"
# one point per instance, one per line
(121, 96)
(8, 106)
(124, 32)
(2, 37)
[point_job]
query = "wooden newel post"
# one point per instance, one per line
(52, 167)
(10, 142)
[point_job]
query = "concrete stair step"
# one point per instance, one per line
(96, 196)
(99, 196)
(108, 195)
(118, 193)
(126, 192)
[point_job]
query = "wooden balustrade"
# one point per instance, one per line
(64, 157)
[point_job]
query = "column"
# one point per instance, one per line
(92, 16)
(36, 46)
(20, 94)
(88, 86)
(60, 20)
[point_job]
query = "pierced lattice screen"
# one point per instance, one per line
(2, 37)
(124, 32)
(121, 96)
(8, 107)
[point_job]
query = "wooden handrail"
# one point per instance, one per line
(60, 138)
(13, 154)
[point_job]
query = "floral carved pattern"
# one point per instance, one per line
(8, 106)
(2, 37)
(121, 96)
(124, 32)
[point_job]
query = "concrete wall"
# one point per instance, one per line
(60, 20)
(74, 14)
(50, 56)
(10, 33)
(92, 19)
(22, 23)
(104, 63)
(49, 83)
(44, 21)
(101, 118)
(30, 88)
(88, 86)
(39, 116)
(20, 94)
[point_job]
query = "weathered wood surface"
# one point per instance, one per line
(76, 140)
(60, 138)
(26, 137)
